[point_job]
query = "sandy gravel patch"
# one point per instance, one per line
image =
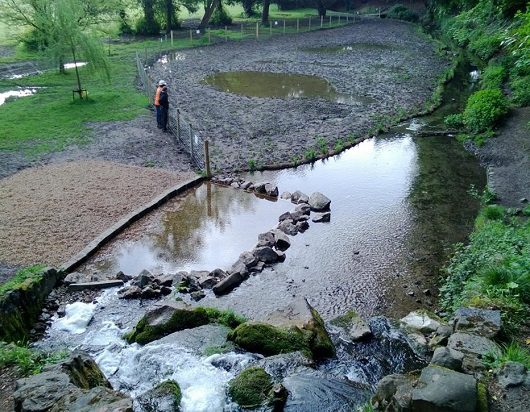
(49, 213)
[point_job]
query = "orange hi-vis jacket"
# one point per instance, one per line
(157, 96)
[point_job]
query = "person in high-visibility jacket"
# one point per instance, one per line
(161, 83)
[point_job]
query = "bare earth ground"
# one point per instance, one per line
(387, 62)
(8, 378)
(507, 157)
(49, 213)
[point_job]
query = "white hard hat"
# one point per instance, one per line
(162, 83)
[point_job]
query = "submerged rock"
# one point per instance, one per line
(441, 389)
(165, 397)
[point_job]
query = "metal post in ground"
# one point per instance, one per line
(257, 30)
(270, 28)
(209, 36)
(321, 21)
(329, 21)
(207, 158)
(178, 124)
(242, 31)
(171, 38)
(226, 33)
(191, 141)
(347, 21)
(309, 23)
(339, 19)
(191, 36)
(297, 25)
(284, 27)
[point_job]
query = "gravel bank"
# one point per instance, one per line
(388, 61)
(47, 214)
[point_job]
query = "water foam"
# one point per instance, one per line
(77, 317)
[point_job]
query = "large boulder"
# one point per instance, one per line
(75, 384)
(394, 392)
(421, 321)
(481, 322)
(251, 388)
(322, 217)
(440, 389)
(266, 239)
(266, 254)
(448, 358)
(356, 328)
(318, 202)
(271, 190)
(288, 227)
(281, 240)
(165, 397)
(164, 320)
(474, 348)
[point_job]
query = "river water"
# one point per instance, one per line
(399, 201)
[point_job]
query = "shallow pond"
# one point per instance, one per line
(15, 94)
(280, 85)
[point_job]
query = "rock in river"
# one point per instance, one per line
(318, 202)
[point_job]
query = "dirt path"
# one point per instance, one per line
(49, 213)
(385, 65)
(507, 158)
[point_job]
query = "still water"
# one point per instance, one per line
(398, 204)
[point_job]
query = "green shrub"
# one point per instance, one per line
(521, 90)
(401, 12)
(28, 361)
(454, 121)
(143, 27)
(322, 145)
(493, 77)
(225, 317)
(493, 212)
(512, 352)
(310, 154)
(484, 109)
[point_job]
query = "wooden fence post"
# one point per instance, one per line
(191, 36)
(171, 38)
(309, 23)
(284, 26)
(257, 30)
(321, 21)
(297, 25)
(207, 158)
(209, 36)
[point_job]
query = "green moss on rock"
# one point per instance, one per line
(171, 388)
(482, 397)
(181, 319)
(320, 342)
(251, 388)
(270, 340)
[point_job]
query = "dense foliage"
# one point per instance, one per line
(27, 360)
(484, 109)
(493, 271)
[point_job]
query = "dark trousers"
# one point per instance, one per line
(163, 117)
(158, 116)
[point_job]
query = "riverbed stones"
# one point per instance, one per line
(228, 284)
(421, 321)
(260, 187)
(281, 240)
(266, 239)
(299, 197)
(394, 392)
(266, 254)
(511, 374)
(442, 389)
(97, 399)
(448, 358)
(318, 202)
(356, 328)
(286, 195)
(271, 190)
(165, 397)
(321, 217)
(288, 227)
(474, 349)
(303, 208)
(482, 322)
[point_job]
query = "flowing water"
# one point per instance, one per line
(399, 202)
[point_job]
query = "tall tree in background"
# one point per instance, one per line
(150, 25)
(209, 8)
(265, 12)
(248, 7)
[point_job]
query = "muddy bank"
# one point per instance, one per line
(387, 68)
(135, 142)
(507, 158)
(50, 213)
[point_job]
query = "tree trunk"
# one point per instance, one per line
(321, 8)
(170, 13)
(208, 11)
(77, 73)
(265, 13)
(247, 7)
(149, 14)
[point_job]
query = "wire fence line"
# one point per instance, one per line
(180, 128)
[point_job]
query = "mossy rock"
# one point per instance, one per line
(164, 321)
(84, 372)
(166, 396)
(251, 388)
(321, 345)
(270, 340)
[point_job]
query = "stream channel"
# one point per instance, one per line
(399, 201)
